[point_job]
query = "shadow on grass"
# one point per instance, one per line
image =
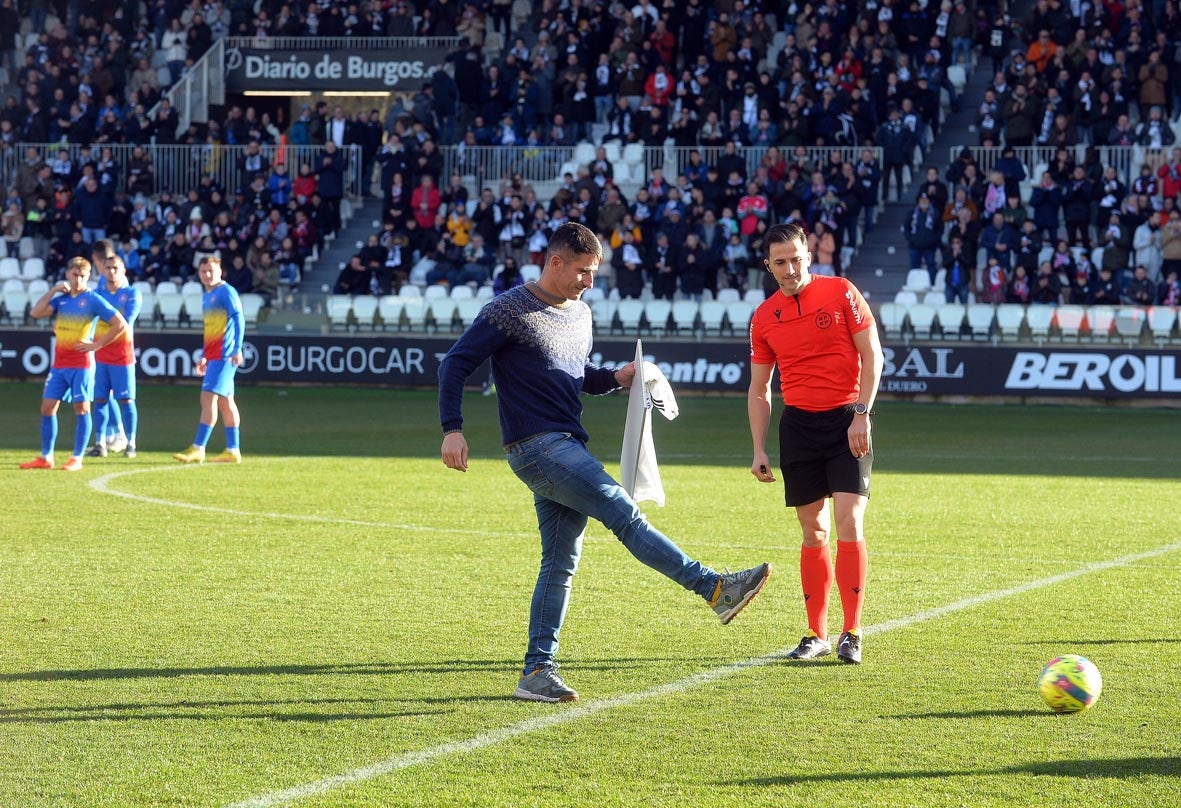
(508, 666)
(1077, 642)
(1112, 768)
(982, 714)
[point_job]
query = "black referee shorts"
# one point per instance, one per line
(814, 456)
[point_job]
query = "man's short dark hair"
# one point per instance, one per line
(573, 238)
(104, 248)
(783, 234)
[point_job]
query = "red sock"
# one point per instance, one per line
(851, 562)
(816, 577)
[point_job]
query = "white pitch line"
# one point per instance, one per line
(572, 714)
(101, 485)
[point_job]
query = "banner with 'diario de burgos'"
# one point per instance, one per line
(356, 70)
(1057, 371)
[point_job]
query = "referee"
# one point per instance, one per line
(820, 333)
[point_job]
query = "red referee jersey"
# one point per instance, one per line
(810, 337)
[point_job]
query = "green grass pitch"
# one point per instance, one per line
(342, 606)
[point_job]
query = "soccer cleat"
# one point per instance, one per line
(810, 647)
(544, 684)
(98, 450)
(73, 464)
(228, 456)
(38, 463)
(736, 589)
(849, 648)
(117, 444)
(193, 454)
(130, 450)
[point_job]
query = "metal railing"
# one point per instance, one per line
(341, 42)
(202, 85)
(179, 168)
(548, 164)
(1126, 159)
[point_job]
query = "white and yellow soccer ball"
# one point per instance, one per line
(1070, 684)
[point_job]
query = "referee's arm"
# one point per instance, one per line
(758, 411)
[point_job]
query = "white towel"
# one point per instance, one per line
(639, 473)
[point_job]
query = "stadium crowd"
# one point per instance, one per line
(701, 74)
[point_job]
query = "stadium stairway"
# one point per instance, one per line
(885, 248)
(304, 310)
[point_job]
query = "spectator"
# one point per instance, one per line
(354, 279)
(923, 231)
(330, 184)
(1140, 290)
(960, 270)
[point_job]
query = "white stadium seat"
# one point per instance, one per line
(251, 306)
(951, 318)
(365, 310)
(389, 308)
(685, 316)
(339, 307)
(441, 311)
(657, 312)
(892, 319)
(1100, 320)
(917, 280)
(1039, 318)
(738, 314)
(922, 318)
(1161, 320)
(1009, 319)
(1070, 321)
(630, 312)
(980, 317)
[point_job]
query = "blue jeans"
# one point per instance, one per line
(569, 485)
(919, 257)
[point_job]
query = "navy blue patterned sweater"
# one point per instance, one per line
(540, 363)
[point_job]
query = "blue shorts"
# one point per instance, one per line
(219, 377)
(117, 378)
(70, 385)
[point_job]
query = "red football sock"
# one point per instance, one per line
(851, 563)
(816, 577)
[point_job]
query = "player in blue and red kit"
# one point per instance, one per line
(72, 377)
(225, 326)
(115, 369)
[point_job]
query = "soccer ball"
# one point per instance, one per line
(1070, 684)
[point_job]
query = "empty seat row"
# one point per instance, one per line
(26, 269)
(1012, 321)
(395, 312)
(666, 317)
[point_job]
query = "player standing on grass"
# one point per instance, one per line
(822, 335)
(108, 426)
(225, 327)
(72, 377)
(538, 337)
(115, 371)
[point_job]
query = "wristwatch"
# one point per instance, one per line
(860, 409)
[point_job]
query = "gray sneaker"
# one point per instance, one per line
(739, 589)
(544, 684)
(129, 451)
(810, 647)
(98, 450)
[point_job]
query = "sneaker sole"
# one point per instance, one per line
(529, 695)
(848, 660)
(730, 615)
(810, 656)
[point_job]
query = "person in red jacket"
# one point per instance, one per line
(1170, 176)
(659, 86)
(425, 202)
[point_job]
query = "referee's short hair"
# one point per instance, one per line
(782, 234)
(573, 238)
